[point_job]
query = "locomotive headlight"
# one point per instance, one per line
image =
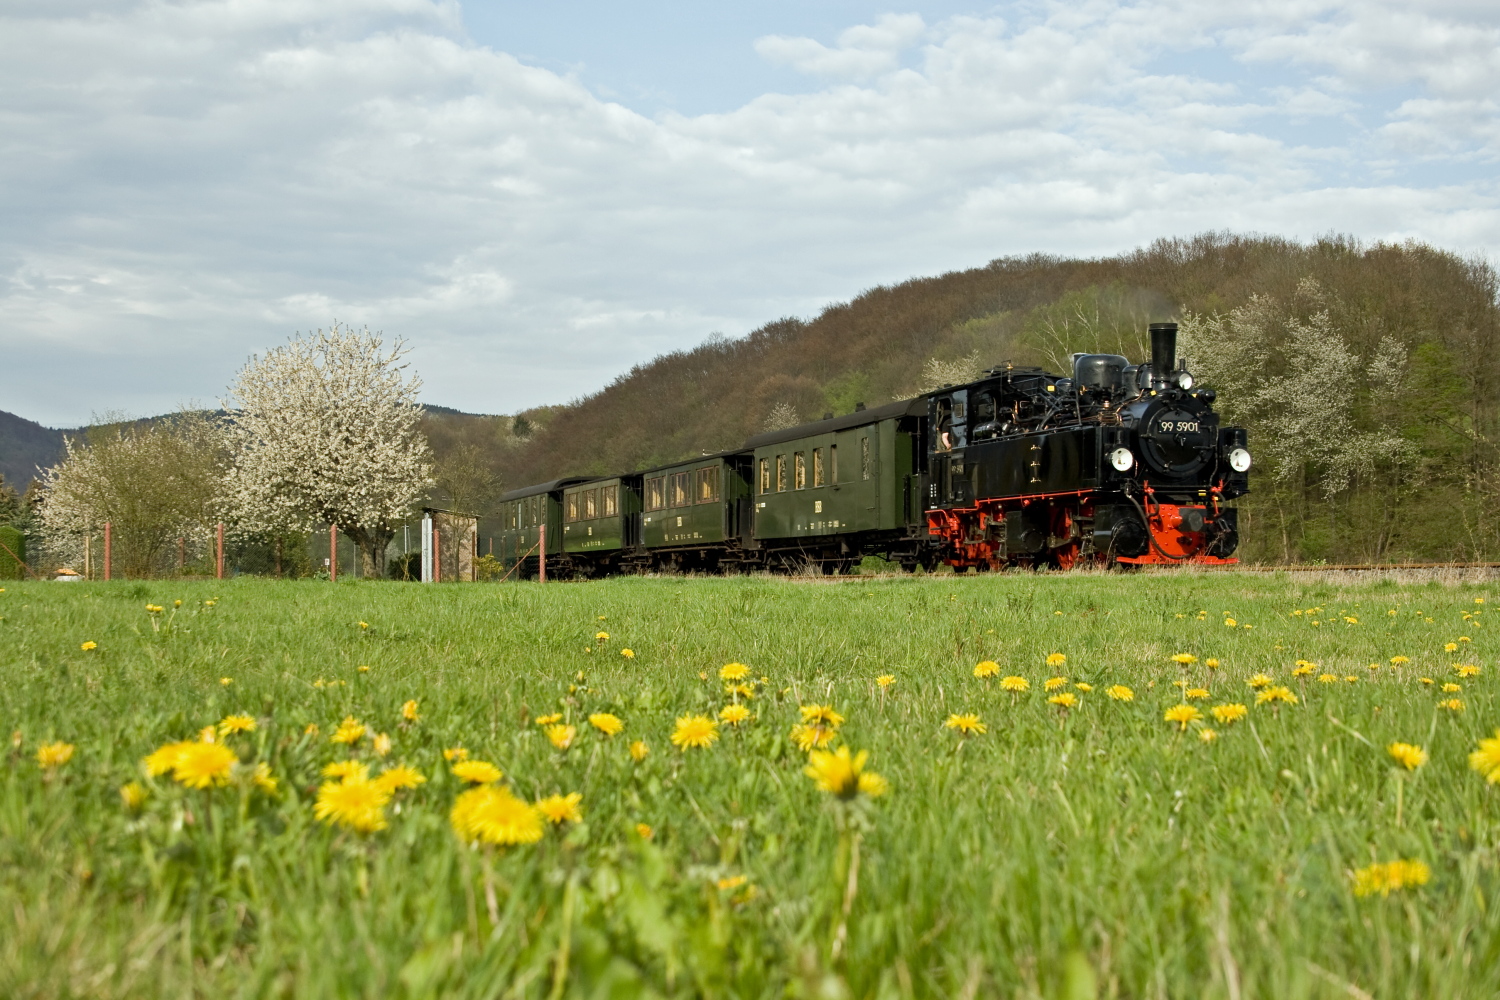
(1122, 459)
(1184, 380)
(1239, 460)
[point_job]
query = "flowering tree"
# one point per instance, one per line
(154, 481)
(325, 430)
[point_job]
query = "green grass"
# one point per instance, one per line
(1098, 853)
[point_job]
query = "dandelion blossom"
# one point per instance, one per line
(1396, 661)
(1207, 735)
(1451, 688)
(549, 720)
(812, 737)
(1211, 664)
(734, 714)
(1390, 877)
(1467, 670)
(1452, 705)
(1228, 713)
(1195, 694)
(455, 753)
(639, 750)
(644, 832)
(1065, 700)
(561, 808)
(350, 731)
(821, 715)
(199, 764)
(356, 803)
(1014, 684)
(842, 774)
(561, 735)
(478, 772)
(1486, 760)
(609, 725)
(1182, 715)
(133, 795)
(1304, 669)
(409, 711)
(695, 731)
(986, 668)
(399, 777)
(601, 636)
(343, 770)
(1328, 678)
(1119, 692)
(164, 758)
(733, 672)
(1085, 688)
(1054, 683)
(1407, 755)
(1185, 659)
(261, 778)
(86, 646)
(885, 680)
(1259, 681)
(236, 724)
(1275, 695)
(490, 814)
(966, 724)
(1056, 659)
(50, 755)
(629, 654)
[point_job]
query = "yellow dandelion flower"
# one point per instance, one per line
(262, 779)
(734, 714)
(1351, 619)
(886, 680)
(1119, 692)
(561, 735)
(1466, 670)
(1015, 684)
(1328, 678)
(154, 609)
(986, 668)
(381, 744)
(966, 724)
(409, 710)
(200, 765)
(50, 755)
(1211, 663)
(1054, 683)
(1464, 638)
(1372, 667)
(1230, 622)
(1229, 713)
(821, 715)
(350, 731)
(399, 777)
(1450, 647)
(1390, 877)
(226, 681)
(842, 774)
(133, 795)
(1182, 715)
(311, 729)
(549, 720)
(629, 654)
(163, 759)
(606, 723)
(639, 750)
(644, 832)
(1065, 700)
(1304, 668)
(1428, 680)
(364, 624)
(1407, 755)
(1274, 695)
(1259, 681)
(236, 724)
(812, 737)
(1185, 659)
(1085, 688)
(1195, 694)
(1450, 687)
(343, 770)
(561, 808)
(1056, 659)
(1452, 705)
(455, 753)
(1207, 735)
(1351, 678)
(601, 636)
(733, 882)
(1397, 661)
(86, 646)
(208, 734)
(694, 731)
(478, 772)
(1486, 760)
(733, 672)
(356, 803)
(491, 814)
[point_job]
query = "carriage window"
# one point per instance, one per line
(610, 496)
(817, 466)
(864, 458)
(656, 493)
(708, 485)
(833, 464)
(780, 473)
(681, 489)
(572, 514)
(591, 504)
(799, 467)
(765, 475)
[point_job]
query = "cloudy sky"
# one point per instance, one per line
(539, 195)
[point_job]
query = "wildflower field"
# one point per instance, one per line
(1072, 785)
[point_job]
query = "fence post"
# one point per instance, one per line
(333, 553)
(429, 558)
(108, 550)
(541, 559)
(219, 552)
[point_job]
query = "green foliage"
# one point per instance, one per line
(1056, 855)
(13, 553)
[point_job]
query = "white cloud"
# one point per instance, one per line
(184, 183)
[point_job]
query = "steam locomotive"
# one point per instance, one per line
(1117, 464)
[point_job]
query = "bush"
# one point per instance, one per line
(11, 563)
(406, 567)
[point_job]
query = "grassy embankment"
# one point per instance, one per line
(1060, 853)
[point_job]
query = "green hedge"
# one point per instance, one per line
(10, 568)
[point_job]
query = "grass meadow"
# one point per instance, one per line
(1092, 850)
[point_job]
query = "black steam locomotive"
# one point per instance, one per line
(1117, 464)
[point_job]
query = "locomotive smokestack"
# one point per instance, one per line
(1163, 353)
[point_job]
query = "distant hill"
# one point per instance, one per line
(26, 447)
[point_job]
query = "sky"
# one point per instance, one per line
(537, 196)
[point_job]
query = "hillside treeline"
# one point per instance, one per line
(1369, 377)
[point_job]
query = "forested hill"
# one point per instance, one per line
(1369, 376)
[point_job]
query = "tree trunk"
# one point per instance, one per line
(371, 543)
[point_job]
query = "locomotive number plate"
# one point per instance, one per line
(1179, 426)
